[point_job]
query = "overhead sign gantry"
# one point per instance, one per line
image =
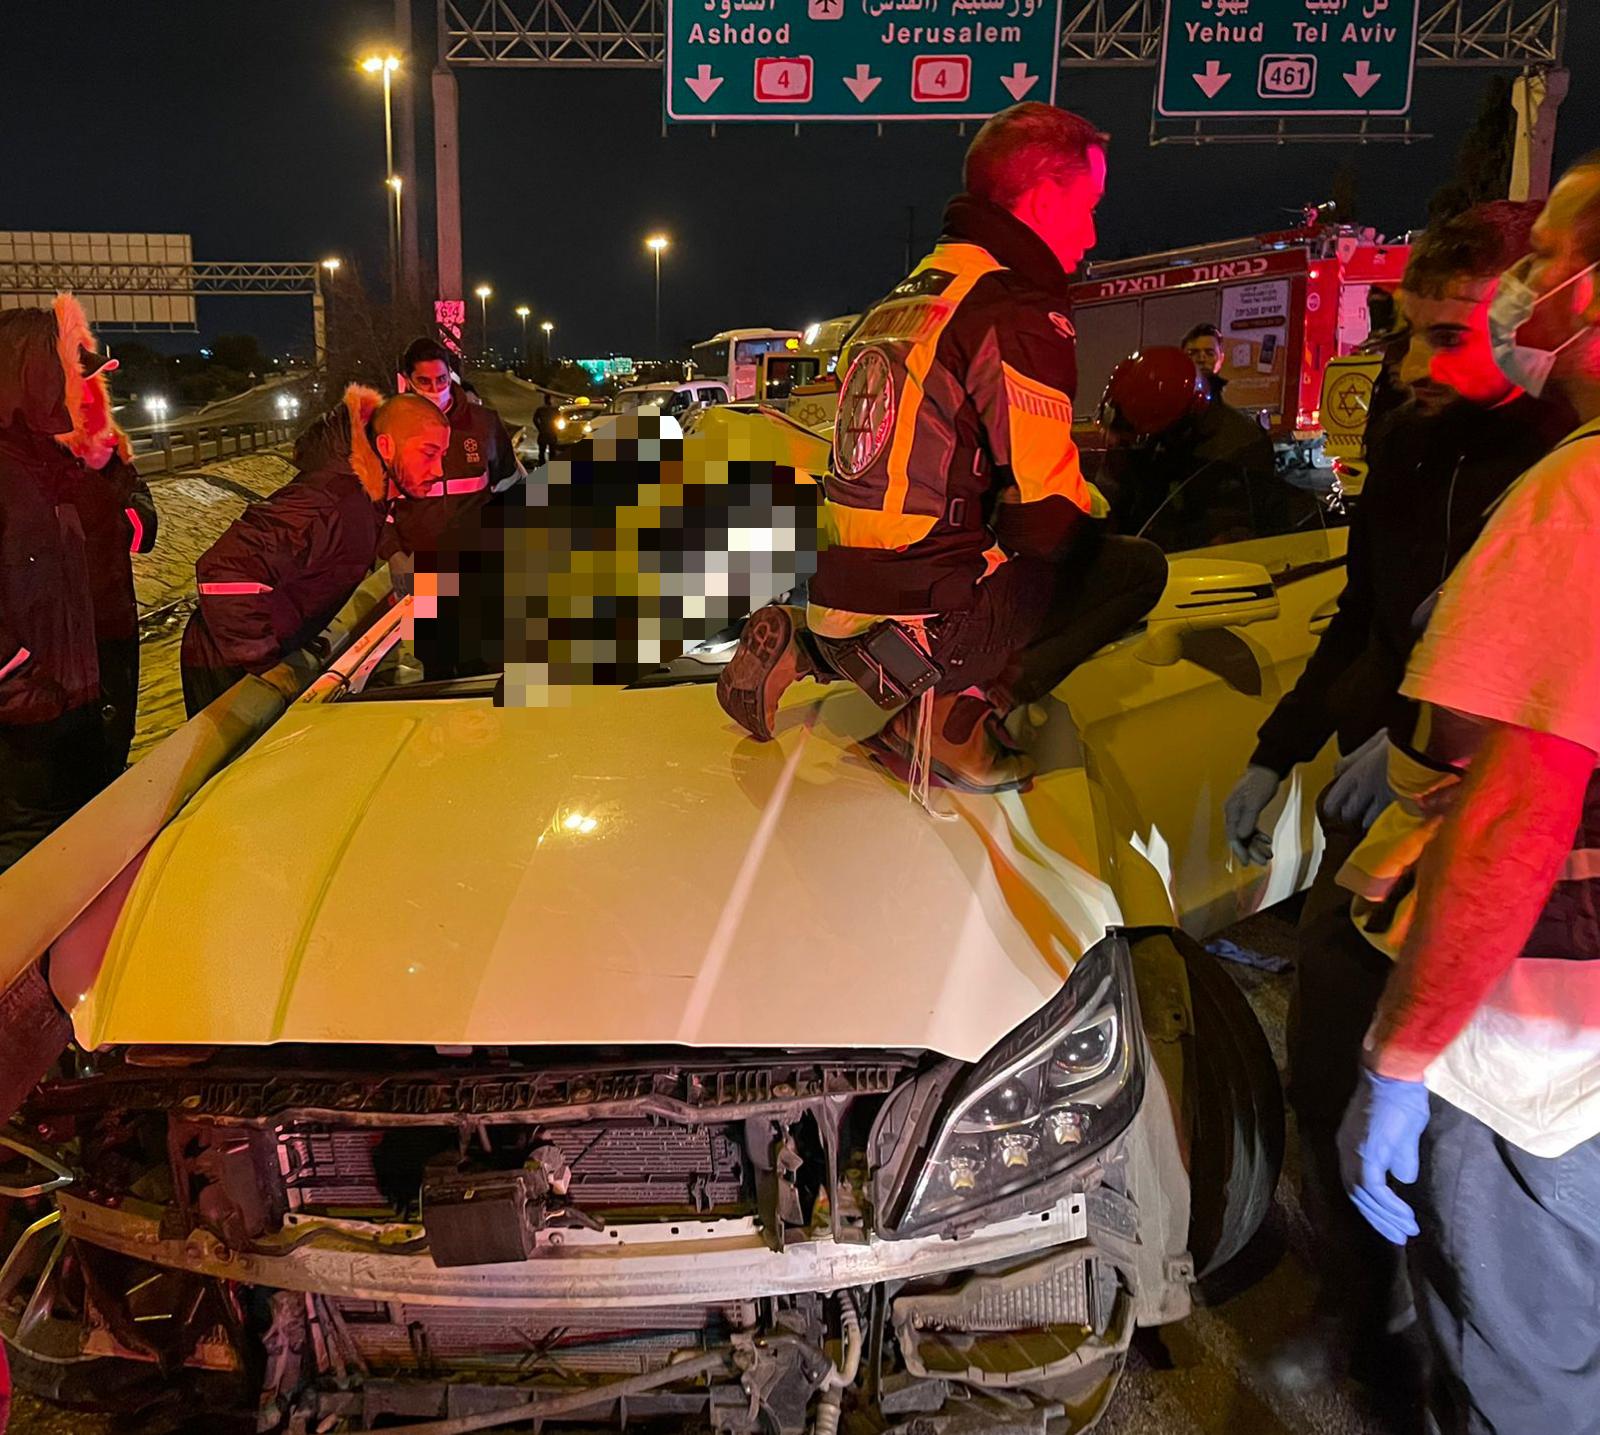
(754, 60)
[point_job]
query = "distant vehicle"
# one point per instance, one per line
(575, 422)
(802, 381)
(735, 357)
(671, 399)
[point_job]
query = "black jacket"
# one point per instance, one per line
(1215, 472)
(1429, 491)
(286, 565)
(480, 458)
(954, 428)
(119, 520)
(48, 665)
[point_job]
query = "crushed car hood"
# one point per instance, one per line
(626, 869)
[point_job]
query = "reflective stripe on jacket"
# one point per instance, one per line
(1425, 777)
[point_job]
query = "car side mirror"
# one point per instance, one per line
(1202, 595)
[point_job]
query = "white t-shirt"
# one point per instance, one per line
(1516, 639)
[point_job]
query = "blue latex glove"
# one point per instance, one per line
(1381, 1136)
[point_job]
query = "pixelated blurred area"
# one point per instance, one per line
(612, 561)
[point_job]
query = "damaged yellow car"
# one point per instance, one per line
(441, 1065)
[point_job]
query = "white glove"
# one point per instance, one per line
(1241, 814)
(1360, 787)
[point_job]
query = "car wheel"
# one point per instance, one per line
(1237, 1119)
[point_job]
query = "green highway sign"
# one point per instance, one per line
(1224, 58)
(858, 59)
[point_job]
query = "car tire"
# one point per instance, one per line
(1237, 1116)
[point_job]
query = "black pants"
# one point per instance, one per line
(1338, 980)
(203, 686)
(48, 771)
(547, 449)
(1507, 1275)
(1034, 621)
(119, 701)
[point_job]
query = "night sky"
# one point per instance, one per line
(248, 126)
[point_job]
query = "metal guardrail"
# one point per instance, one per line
(188, 445)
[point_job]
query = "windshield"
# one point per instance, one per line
(711, 360)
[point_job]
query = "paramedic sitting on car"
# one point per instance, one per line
(1481, 1074)
(956, 504)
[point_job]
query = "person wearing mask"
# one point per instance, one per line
(50, 733)
(1479, 1084)
(1203, 345)
(1173, 446)
(544, 427)
(1437, 468)
(956, 516)
(119, 519)
(481, 459)
(286, 565)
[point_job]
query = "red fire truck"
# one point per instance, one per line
(1286, 303)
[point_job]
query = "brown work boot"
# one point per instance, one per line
(769, 657)
(970, 749)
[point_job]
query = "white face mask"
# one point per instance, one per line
(1512, 306)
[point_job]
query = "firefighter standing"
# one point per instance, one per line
(956, 503)
(286, 565)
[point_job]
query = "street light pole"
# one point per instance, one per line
(483, 291)
(522, 313)
(547, 326)
(656, 243)
(386, 65)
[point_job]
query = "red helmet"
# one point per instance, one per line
(1152, 391)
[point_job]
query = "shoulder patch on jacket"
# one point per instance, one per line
(1063, 325)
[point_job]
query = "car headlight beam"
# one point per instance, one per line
(1060, 1087)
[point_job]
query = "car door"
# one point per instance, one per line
(1165, 743)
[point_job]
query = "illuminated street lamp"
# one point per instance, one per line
(522, 311)
(332, 265)
(386, 65)
(483, 291)
(548, 328)
(655, 244)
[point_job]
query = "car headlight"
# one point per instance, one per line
(561, 423)
(1059, 1088)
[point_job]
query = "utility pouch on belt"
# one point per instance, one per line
(886, 664)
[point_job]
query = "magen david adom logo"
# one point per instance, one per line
(866, 414)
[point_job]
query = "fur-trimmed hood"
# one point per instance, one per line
(42, 384)
(339, 442)
(88, 399)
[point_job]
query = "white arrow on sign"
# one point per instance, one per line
(1363, 79)
(703, 84)
(864, 83)
(1019, 81)
(1213, 80)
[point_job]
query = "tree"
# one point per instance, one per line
(1483, 163)
(366, 337)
